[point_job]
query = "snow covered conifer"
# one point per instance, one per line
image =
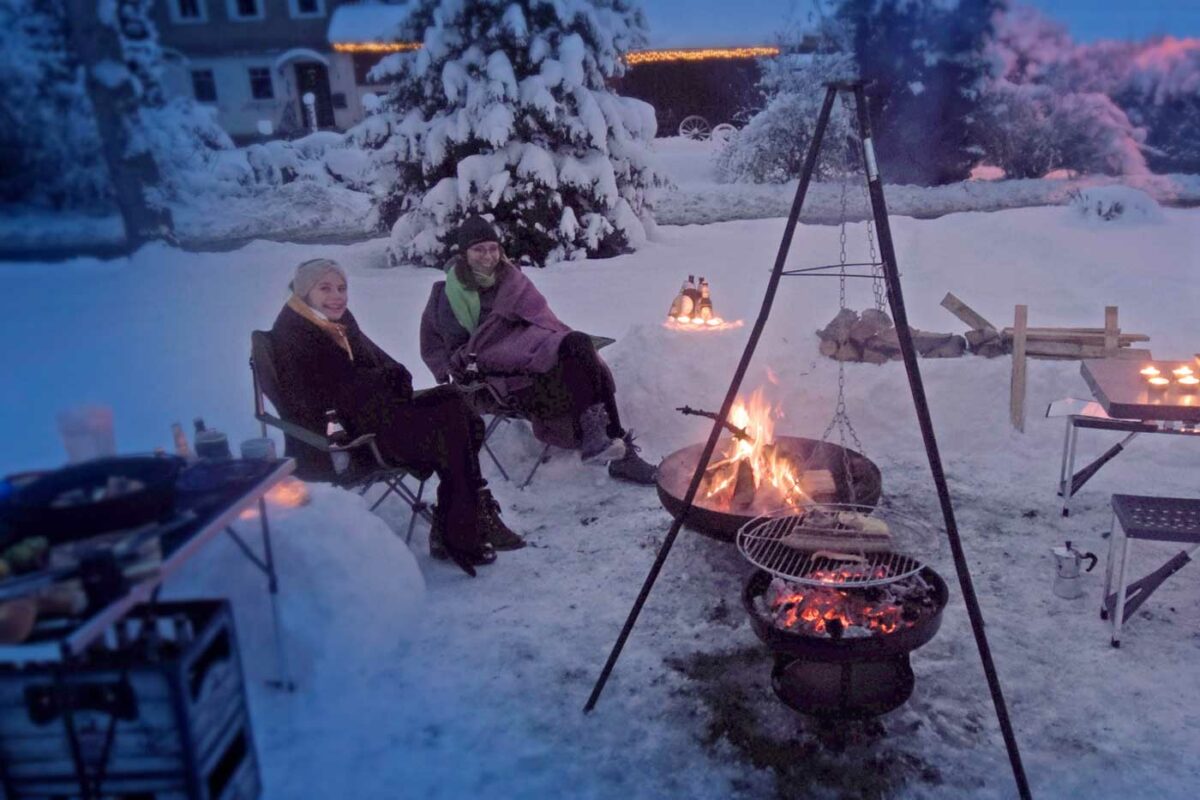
(505, 110)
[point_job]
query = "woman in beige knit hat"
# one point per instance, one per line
(324, 361)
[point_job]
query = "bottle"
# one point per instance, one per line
(693, 294)
(210, 443)
(681, 306)
(181, 443)
(704, 310)
(337, 435)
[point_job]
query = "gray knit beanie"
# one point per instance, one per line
(310, 272)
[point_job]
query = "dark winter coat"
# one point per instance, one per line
(316, 375)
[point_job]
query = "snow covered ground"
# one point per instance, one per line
(416, 681)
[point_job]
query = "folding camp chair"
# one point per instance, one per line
(262, 370)
(487, 402)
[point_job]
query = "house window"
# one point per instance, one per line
(363, 63)
(244, 9)
(187, 12)
(306, 8)
(260, 84)
(204, 85)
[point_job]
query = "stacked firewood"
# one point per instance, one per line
(871, 337)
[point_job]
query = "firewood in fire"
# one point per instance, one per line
(845, 530)
(818, 482)
(744, 487)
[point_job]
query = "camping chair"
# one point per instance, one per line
(487, 401)
(262, 370)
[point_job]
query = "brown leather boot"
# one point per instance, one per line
(495, 532)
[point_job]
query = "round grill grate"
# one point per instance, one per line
(830, 544)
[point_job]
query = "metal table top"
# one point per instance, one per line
(1125, 393)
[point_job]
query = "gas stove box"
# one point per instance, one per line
(159, 712)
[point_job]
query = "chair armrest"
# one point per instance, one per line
(295, 431)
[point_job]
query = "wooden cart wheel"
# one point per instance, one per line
(723, 133)
(695, 127)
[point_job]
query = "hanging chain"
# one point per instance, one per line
(841, 418)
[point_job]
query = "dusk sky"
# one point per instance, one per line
(699, 22)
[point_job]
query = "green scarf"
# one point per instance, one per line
(465, 300)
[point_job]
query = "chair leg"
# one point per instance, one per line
(543, 458)
(391, 484)
(1118, 612)
(487, 434)
(416, 510)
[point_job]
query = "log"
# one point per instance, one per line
(868, 325)
(848, 352)
(958, 308)
(1070, 349)
(955, 347)
(871, 355)
(1082, 337)
(828, 347)
(838, 329)
(1016, 399)
(978, 338)
(1110, 329)
(818, 481)
(744, 488)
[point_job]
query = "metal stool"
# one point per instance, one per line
(1156, 519)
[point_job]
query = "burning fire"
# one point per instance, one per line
(751, 472)
(833, 612)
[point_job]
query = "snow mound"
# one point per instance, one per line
(1107, 204)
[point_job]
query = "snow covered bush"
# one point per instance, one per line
(505, 110)
(1052, 105)
(1112, 203)
(49, 146)
(772, 145)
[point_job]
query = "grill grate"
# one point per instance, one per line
(815, 547)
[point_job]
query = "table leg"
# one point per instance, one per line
(1118, 612)
(284, 681)
(1069, 474)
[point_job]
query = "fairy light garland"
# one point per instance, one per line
(632, 59)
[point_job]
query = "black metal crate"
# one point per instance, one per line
(158, 712)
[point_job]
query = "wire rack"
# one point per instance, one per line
(828, 544)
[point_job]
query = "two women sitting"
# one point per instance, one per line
(488, 316)
(324, 361)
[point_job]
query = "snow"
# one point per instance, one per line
(412, 675)
(366, 22)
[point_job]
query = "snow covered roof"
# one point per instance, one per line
(672, 23)
(369, 22)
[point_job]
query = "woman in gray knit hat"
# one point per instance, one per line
(324, 361)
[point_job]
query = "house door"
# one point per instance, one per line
(313, 77)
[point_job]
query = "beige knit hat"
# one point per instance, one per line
(310, 272)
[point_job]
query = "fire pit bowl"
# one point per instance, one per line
(849, 677)
(851, 470)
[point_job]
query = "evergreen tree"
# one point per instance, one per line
(924, 62)
(505, 110)
(49, 146)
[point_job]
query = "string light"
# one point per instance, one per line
(376, 47)
(701, 54)
(632, 59)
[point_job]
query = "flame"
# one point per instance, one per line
(776, 478)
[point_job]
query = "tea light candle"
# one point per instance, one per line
(1181, 372)
(1189, 383)
(1149, 371)
(1159, 383)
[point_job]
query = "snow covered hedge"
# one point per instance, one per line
(505, 110)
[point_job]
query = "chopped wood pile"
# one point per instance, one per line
(871, 337)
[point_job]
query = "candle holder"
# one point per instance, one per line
(1149, 371)
(1159, 384)
(1182, 372)
(1188, 383)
